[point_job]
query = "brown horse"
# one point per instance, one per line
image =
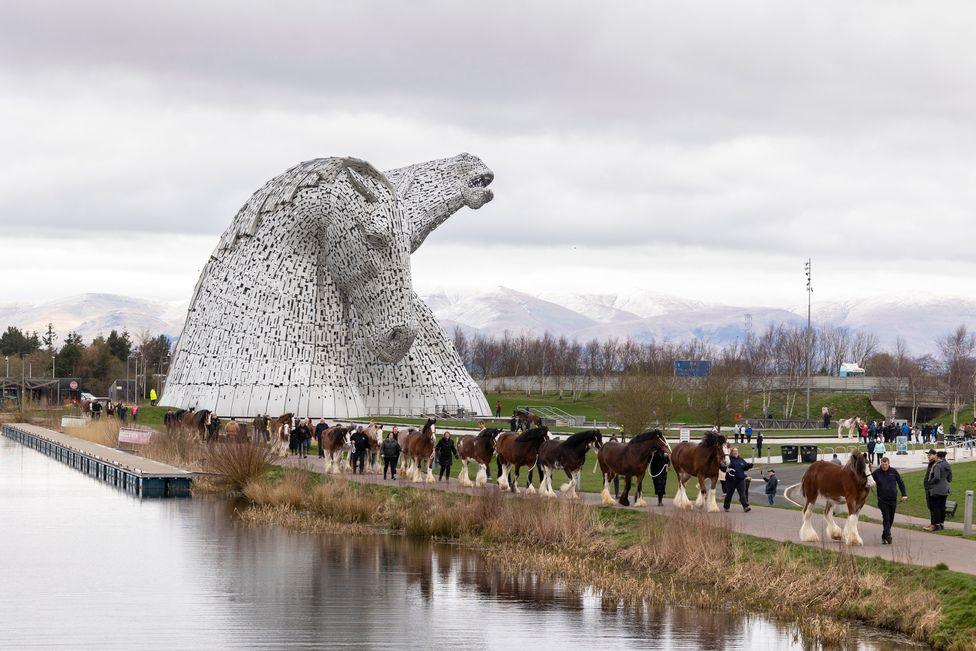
(630, 460)
(848, 484)
(173, 420)
(197, 422)
(333, 441)
(280, 429)
(517, 450)
(531, 419)
(570, 455)
(702, 461)
(418, 448)
(478, 448)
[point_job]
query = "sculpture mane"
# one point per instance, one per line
(306, 304)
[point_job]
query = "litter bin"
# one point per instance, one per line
(789, 453)
(808, 453)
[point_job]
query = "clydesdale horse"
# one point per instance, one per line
(630, 460)
(570, 455)
(848, 484)
(418, 448)
(516, 450)
(478, 448)
(702, 461)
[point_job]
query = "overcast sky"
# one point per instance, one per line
(697, 149)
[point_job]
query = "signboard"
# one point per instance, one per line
(135, 436)
(73, 385)
(69, 421)
(692, 368)
(901, 444)
(684, 434)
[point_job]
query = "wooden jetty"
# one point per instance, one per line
(131, 473)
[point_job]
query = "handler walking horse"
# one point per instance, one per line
(479, 449)
(702, 461)
(630, 460)
(198, 422)
(848, 484)
(529, 419)
(280, 429)
(418, 448)
(570, 455)
(517, 450)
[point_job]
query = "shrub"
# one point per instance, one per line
(237, 464)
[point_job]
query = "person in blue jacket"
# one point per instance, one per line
(735, 480)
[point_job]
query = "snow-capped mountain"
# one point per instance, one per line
(91, 315)
(642, 316)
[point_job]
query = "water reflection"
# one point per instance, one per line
(87, 565)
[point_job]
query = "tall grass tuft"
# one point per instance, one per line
(103, 432)
(177, 448)
(237, 464)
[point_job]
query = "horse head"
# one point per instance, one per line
(858, 464)
(369, 260)
(433, 191)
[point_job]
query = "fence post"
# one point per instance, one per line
(967, 526)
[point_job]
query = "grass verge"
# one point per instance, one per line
(689, 559)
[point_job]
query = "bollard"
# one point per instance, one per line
(967, 527)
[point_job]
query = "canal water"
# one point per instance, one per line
(85, 565)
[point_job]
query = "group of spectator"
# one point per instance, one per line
(742, 433)
(119, 410)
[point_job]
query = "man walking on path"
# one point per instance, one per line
(937, 487)
(772, 483)
(360, 444)
(446, 452)
(888, 483)
(735, 480)
(759, 441)
(391, 455)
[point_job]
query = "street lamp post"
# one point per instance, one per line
(809, 273)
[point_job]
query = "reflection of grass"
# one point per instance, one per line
(685, 559)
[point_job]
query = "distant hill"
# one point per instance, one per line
(642, 316)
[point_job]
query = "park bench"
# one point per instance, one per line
(950, 508)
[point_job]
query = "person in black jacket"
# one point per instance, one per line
(735, 480)
(659, 474)
(319, 430)
(390, 449)
(446, 452)
(888, 483)
(360, 444)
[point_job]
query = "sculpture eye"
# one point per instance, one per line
(377, 241)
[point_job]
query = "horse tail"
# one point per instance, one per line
(786, 495)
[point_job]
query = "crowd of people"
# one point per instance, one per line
(118, 410)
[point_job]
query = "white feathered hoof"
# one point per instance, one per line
(641, 502)
(712, 504)
(429, 478)
(481, 478)
(566, 487)
(531, 490)
(606, 497)
(835, 532)
(700, 500)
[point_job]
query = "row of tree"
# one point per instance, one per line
(97, 363)
(775, 360)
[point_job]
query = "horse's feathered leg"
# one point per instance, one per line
(639, 495)
(711, 504)
(833, 531)
(481, 477)
(681, 500)
(463, 477)
(807, 532)
(529, 488)
(503, 478)
(429, 477)
(605, 496)
(702, 494)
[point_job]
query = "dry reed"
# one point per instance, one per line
(103, 432)
(236, 464)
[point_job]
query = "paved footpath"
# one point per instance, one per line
(913, 547)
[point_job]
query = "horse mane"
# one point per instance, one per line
(489, 431)
(579, 438)
(711, 439)
(857, 464)
(534, 434)
(644, 437)
(428, 425)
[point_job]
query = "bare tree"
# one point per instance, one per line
(957, 349)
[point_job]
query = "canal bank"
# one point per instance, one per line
(113, 571)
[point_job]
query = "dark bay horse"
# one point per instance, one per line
(478, 448)
(333, 441)
(198, 422)
(569, 455)
(703, 461)
(418, 448)
(173, 420)
(848, 484)
(630, 461)
(516, 450)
